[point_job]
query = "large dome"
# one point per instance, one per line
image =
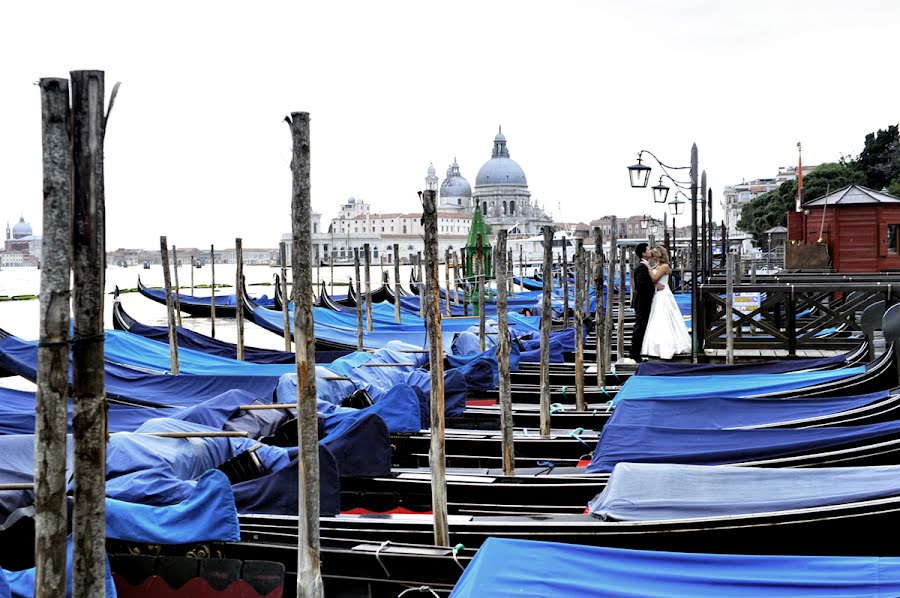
(500, 169)
(455, 185)
(21, 229)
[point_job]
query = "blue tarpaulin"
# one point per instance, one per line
(650, 491)
(530, 569)
(654, 444)
(20, 584)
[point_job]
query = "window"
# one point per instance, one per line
(375, 253)
(484, 209)
(404, 229)
(892, 238)
(512, 206)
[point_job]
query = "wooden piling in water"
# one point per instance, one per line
(564, 280)
(170, 307)
(359, 308)
(396, 283)
(579, 325)
(447, 281)
(620, 320)
(368, 255)
(239, 296)
(436, 454)
(88, 392)
(309, 577)
(462, 262)
(285, 313)
(455, 279)
(50, 421)
(600, 331)
(212, 286)
(546, 321)
(729, 309)
(177, 285)
(521, 270)
(510, 274)
(479, 284)
(193, 264)
(503, 347)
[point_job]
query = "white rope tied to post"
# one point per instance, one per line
(420, 589)
(378, 556)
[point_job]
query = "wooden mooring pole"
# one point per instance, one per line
(620, 319)
(479, 284)
(455, 279)
(193, 265)
(462, 262)
(50, 423)
(396, 283)
(503, 347)
(546, 321)
(239, 296)
(448, 290)
(729, 308)
(421, 281)
(579, 325)
(285, 313)
(177, 285)
(510, 274)
(88, 391)
(368, 255)
(359, 305)
(212, 286)
(170, 307)
(602, 345)
(309, 577)
(564, 280)
(436, 454)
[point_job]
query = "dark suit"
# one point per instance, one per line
(644, 288)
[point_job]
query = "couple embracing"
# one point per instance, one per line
(659, 329)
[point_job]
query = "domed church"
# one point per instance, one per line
(501, 190)
(455, 192)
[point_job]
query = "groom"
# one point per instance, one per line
(643, 299)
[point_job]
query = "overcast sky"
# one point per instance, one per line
(196, 148)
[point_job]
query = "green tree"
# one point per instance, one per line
(879, 160)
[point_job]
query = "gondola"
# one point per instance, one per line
(199, 307)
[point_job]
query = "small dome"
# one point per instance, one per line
(455, 185)
(21, 229)
(431, 170)
(500, 169)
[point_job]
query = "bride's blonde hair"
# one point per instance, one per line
(662, 255)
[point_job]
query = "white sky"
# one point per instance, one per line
(196, 148)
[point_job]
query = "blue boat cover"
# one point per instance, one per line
(675, 368)
(221, 300)
(20, 584)
(716, 412)
(650, 491)
(654, 444)
(744, 385)
(508, 567)
(360, 442)
(17, 467)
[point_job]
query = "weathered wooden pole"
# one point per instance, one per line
(368, 256)
(359, 306)
(170, 307)
(177, 286)
(510, 274)
(285, 314)
(309, 578)
(436, 454)
(546, 321)
(620, 321)
(521, 269)
(462, 261)
(331, 263)
(447, 282)
(88, 392)
(421, 281)
(579, 324)
(212, 286)
(479, 284)
(564, 282)
(396, 283)
(600, 332)
(455, 279)
(503, 347)
(50, 422)
(192, 274)
(729, 309)
(610, 284)
(239, 296)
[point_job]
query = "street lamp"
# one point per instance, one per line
(660, 192)
(676, 206)
(639, 175)
(645, 222)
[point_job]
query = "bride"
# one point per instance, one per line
(666, 332)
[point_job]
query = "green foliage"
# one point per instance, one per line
(880, 159)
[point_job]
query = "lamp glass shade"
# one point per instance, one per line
(639, 175)
(644, 222)
(676, 207)
(660, 192)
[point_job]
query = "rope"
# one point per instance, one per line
(550, 466)
(378, 556)
(576, 434)
(556, 408)
(456, 550)
(420, 589)
(72, 341)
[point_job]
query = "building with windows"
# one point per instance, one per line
(21, 247)
(735, 197)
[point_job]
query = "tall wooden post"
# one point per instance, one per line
(447, 282)
(331, 263)
(521, 269)
(212, 286)
(703, 228)
(613, 255)
(436, 454)
(367, 252)
(170, 307)
(396, 283)
(579, 325)
(729, 309)
(564, 281)
(455, 279)
(462, 262)
(600, 331)
(239, 296)
(309, 578)
(53, 351)
(421, 281)
(479, 283)
(177, 285)
(546, 321)
(285, 314)
(193, 267)
(359, 306)
(620, 321)
(510, 274)
(88, 392)
(503, 347)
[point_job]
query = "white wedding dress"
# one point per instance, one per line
(667, 333)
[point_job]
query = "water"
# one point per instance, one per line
(22, 318)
